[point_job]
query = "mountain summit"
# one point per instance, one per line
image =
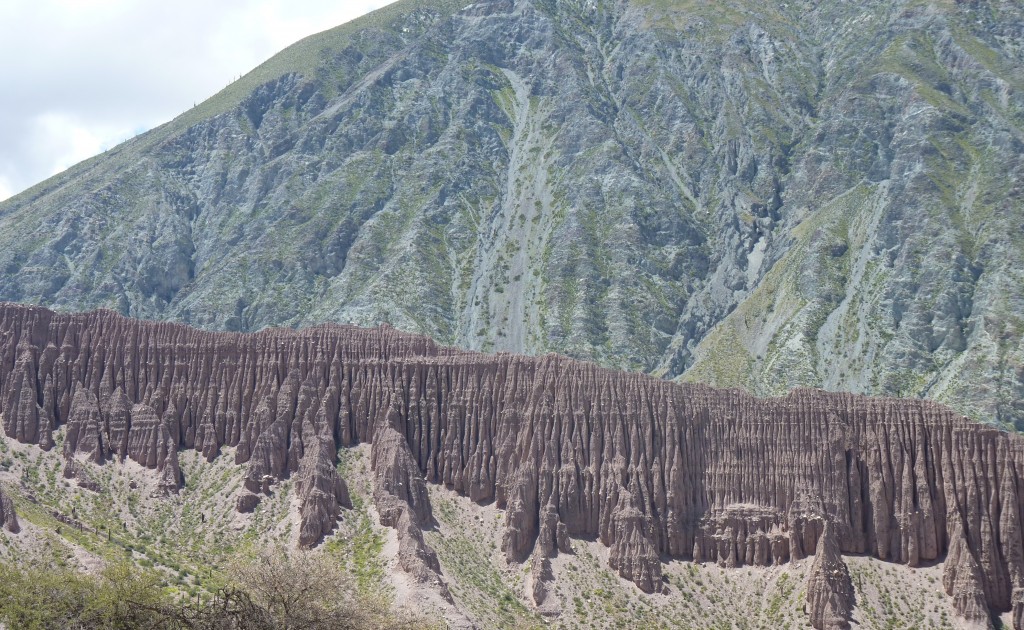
(765, 195)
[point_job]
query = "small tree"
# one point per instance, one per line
(308, 591)
(44, 598)
(275, 591)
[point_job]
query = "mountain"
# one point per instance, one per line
(764, 195)
(581, 468)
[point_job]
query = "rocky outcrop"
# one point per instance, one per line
(631, 538)
(152, 443)
(247, 502)
(830, 597)
(740, 535)
(541, 579)
(72, 470)
(650, 468)
(962, 579)
(1017, 618)
(8, 518)
(322, 492)
(415, 556)
(85, 431)
(398, 484)
(400, 495)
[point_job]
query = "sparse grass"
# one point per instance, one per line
(480, 584)
(358, 545)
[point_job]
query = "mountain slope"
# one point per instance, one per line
(819, 194)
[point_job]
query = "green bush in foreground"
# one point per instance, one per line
(300, 592)
(121, 597)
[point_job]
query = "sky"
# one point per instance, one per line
(80, 76)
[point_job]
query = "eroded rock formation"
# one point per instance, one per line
(649, 467)
(8, 518)
(322, 492)
(401, 497)
(963, 581)
(830, 596)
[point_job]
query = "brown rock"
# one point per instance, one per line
(742, 534)
(269, 459)
(1018, 608)
(521, 517)
(541, 578)
(414, 555)
(830, 596)
(21, 411)
(400, 494)
(8, 518)
(146, 438)
(247, 502)
(322, 493)
(84, 434)
(962, 579)
(117, 419)
(398, 482)
(632, 552)
(650, 468)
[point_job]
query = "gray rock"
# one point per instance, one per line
(814, 194)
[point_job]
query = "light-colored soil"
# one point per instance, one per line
(588, 594)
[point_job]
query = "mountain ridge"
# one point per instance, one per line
(765, 197)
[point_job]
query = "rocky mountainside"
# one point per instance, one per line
(651, 469)
(752, 194)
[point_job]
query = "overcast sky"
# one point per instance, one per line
(79, 76)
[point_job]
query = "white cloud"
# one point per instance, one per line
(69, 140)
(79, 76)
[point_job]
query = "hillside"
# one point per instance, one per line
(499, 490)
(743, 193)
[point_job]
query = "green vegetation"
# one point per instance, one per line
(890, 603)
(37, 598)
(359, 548)
(185, 551)
(272, 591)
(481, 585)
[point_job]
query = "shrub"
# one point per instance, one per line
(274, 591)
(38, 598)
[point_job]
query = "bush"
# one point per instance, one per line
(301, 591)
(274, 591)
(36, 598)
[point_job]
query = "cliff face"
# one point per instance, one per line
(648, 467)
(765, 195)
(8, 518)
(830, 596)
